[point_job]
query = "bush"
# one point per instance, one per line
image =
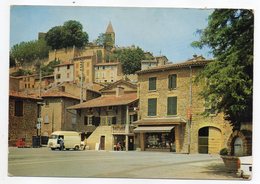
(223, 151)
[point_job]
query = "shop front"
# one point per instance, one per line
(156, 138)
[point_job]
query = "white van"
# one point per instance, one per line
(72, 140)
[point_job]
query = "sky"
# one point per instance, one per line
(161, 31)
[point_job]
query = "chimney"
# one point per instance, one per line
(119, 91)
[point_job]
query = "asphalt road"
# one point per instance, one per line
(104, 164)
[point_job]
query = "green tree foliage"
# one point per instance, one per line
(28, 51)
(105, 40)
(229, 78)
(21, 72)
(130, 58)
(68, 35)
(49, 69)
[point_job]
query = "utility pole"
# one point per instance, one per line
(190, 112)
(81, 80)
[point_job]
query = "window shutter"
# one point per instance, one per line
(172, 106)
(172, 81)
(152, 83)
(152, 106)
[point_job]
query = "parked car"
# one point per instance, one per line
(245, 169)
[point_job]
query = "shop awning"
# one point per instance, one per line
(153, 129)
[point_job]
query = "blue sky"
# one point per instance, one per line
(168, 31)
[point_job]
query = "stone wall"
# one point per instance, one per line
(22, 126)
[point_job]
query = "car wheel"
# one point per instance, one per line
(76, 148)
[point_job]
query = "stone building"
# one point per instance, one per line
(64, 72)
(108, 72)
(23, 115)
(53, 112)
(107, 120)
(170, 111)
(156, 61)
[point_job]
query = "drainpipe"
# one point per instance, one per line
(127, 128)
(190, 112)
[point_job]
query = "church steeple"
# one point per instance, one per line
(110, 28)
(110, 31)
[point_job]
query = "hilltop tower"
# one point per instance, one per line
(110, 31)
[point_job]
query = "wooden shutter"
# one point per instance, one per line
(152, 83)
(172, 81)
(172, 106)
(152, 106)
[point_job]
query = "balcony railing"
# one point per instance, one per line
(120, 129)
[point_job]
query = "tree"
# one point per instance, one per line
(49, 68)
(130, 58)
(229, 78)
(29, 51)
(69, 34)
(105, 40)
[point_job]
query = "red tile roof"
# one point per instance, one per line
(55, 94)
(64, 64)
(106, 64)
(23, 95)
(189, 63)
(109, 100)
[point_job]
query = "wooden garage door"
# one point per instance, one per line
(215, 140)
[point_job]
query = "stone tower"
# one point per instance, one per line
(110, 31)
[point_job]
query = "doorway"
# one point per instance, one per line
(204, 140)
(102, 143)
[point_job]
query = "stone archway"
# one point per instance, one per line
(209, 140)
(242, 138)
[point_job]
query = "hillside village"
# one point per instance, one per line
(156, 109)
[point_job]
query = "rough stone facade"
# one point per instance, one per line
(186, 92)
(22, 126)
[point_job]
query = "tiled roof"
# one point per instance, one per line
(23, 95)
(55, 94)
(175, 66)
(119, 82)
(106, 64)
(109, 100)
(64, 64)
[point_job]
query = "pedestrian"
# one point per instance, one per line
(61, 142)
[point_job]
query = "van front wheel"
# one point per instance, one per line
(76, 148)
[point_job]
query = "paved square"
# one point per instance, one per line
(105, 164)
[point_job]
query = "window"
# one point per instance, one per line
(152, 83)
(58, 76)
(172, 81)
(113, 120)
(18, 108)
(68, 75)
(58, 68)
(152, 106)
(86, 120)
(172, 106)
(68, 67)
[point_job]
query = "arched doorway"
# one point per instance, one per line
(203, 142)
(238, 147)
(209, 140)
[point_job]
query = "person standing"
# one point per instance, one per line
(61, 142)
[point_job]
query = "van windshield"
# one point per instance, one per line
(53, 137)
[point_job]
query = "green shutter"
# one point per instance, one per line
(152, 83)
(152, 106)
(172, 106)
(172, 81)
